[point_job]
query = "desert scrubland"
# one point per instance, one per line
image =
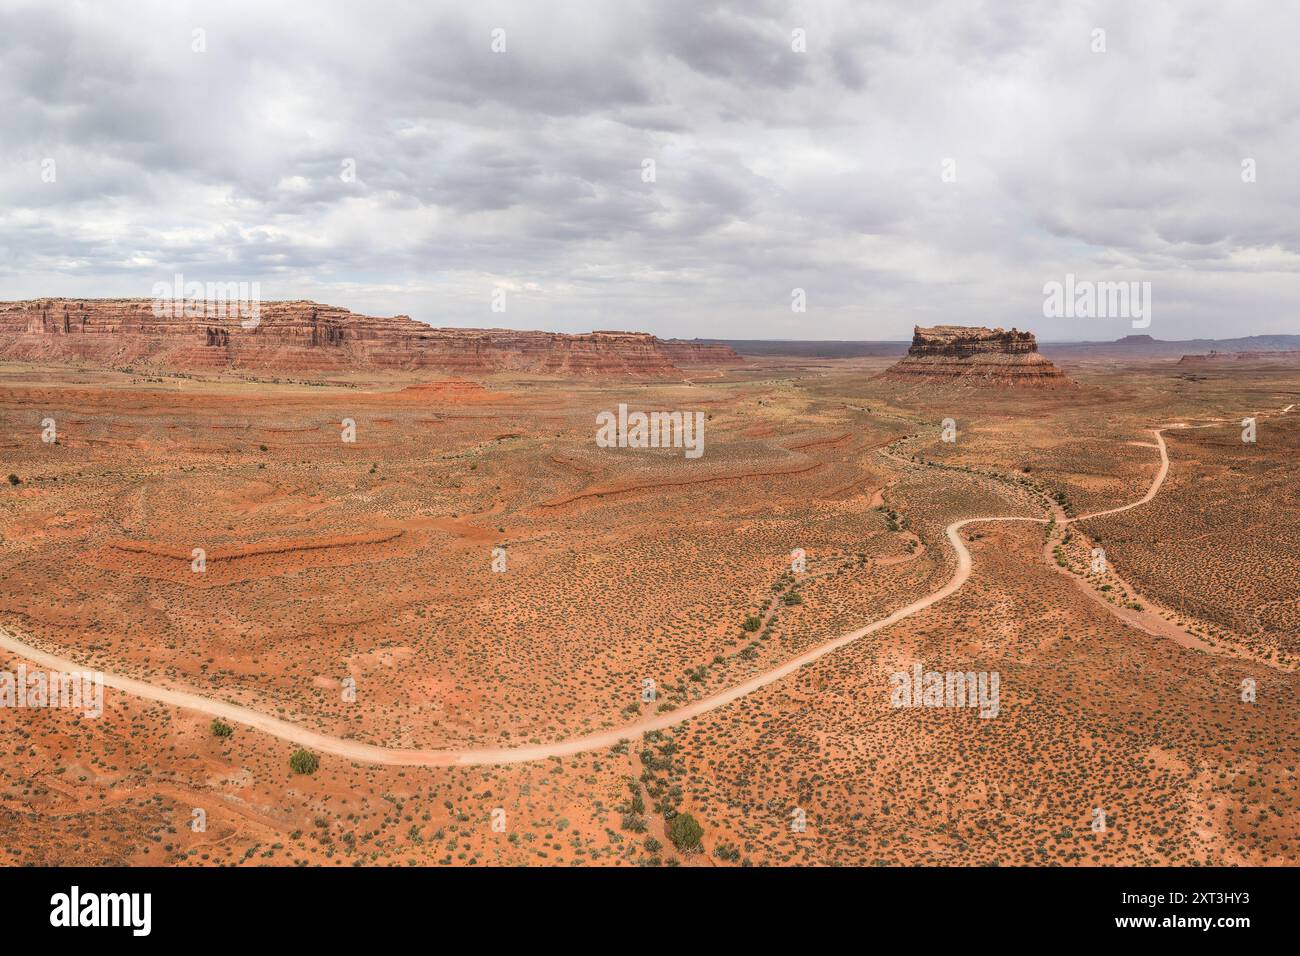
(333, 566)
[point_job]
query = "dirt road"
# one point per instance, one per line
(372, 754)
(369, 753)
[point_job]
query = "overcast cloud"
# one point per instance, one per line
(775, 169)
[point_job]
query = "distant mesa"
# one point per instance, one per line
(1215, 357)
(303, 336)
(976, 356)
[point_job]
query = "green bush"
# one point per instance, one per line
(728, 853)
(753, 623)
(304, 761)
(685, 832)
(221, 729)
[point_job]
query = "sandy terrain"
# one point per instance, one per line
(368, 564)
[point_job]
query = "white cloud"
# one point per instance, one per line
(775, 169)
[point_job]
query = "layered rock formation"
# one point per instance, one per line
(695, 352)
(965, 355)
(305, 336)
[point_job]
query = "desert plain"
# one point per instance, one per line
(348, 589)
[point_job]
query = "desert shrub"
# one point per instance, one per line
(728, 853)
(221, 729)
(685, 832)
(304, 761)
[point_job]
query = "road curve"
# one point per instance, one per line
(495, 756)
(399, 757)
(1151, 493)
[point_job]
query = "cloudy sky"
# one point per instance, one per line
(775, 168)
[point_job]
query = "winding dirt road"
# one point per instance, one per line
(372, 754)
(1151, 493)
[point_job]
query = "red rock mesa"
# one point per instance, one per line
(307, 336)
(967, 355)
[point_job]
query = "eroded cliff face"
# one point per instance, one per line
(307, 336)
(966, 355)
(685, 352)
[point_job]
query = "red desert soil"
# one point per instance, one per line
(773, 690)
(439, 758)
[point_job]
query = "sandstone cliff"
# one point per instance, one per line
(310, 337)
(964, 355)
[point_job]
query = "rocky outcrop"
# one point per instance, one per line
(964, 355)
(303, 336)
(695, 352)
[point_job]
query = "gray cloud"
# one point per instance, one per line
(774, 168)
